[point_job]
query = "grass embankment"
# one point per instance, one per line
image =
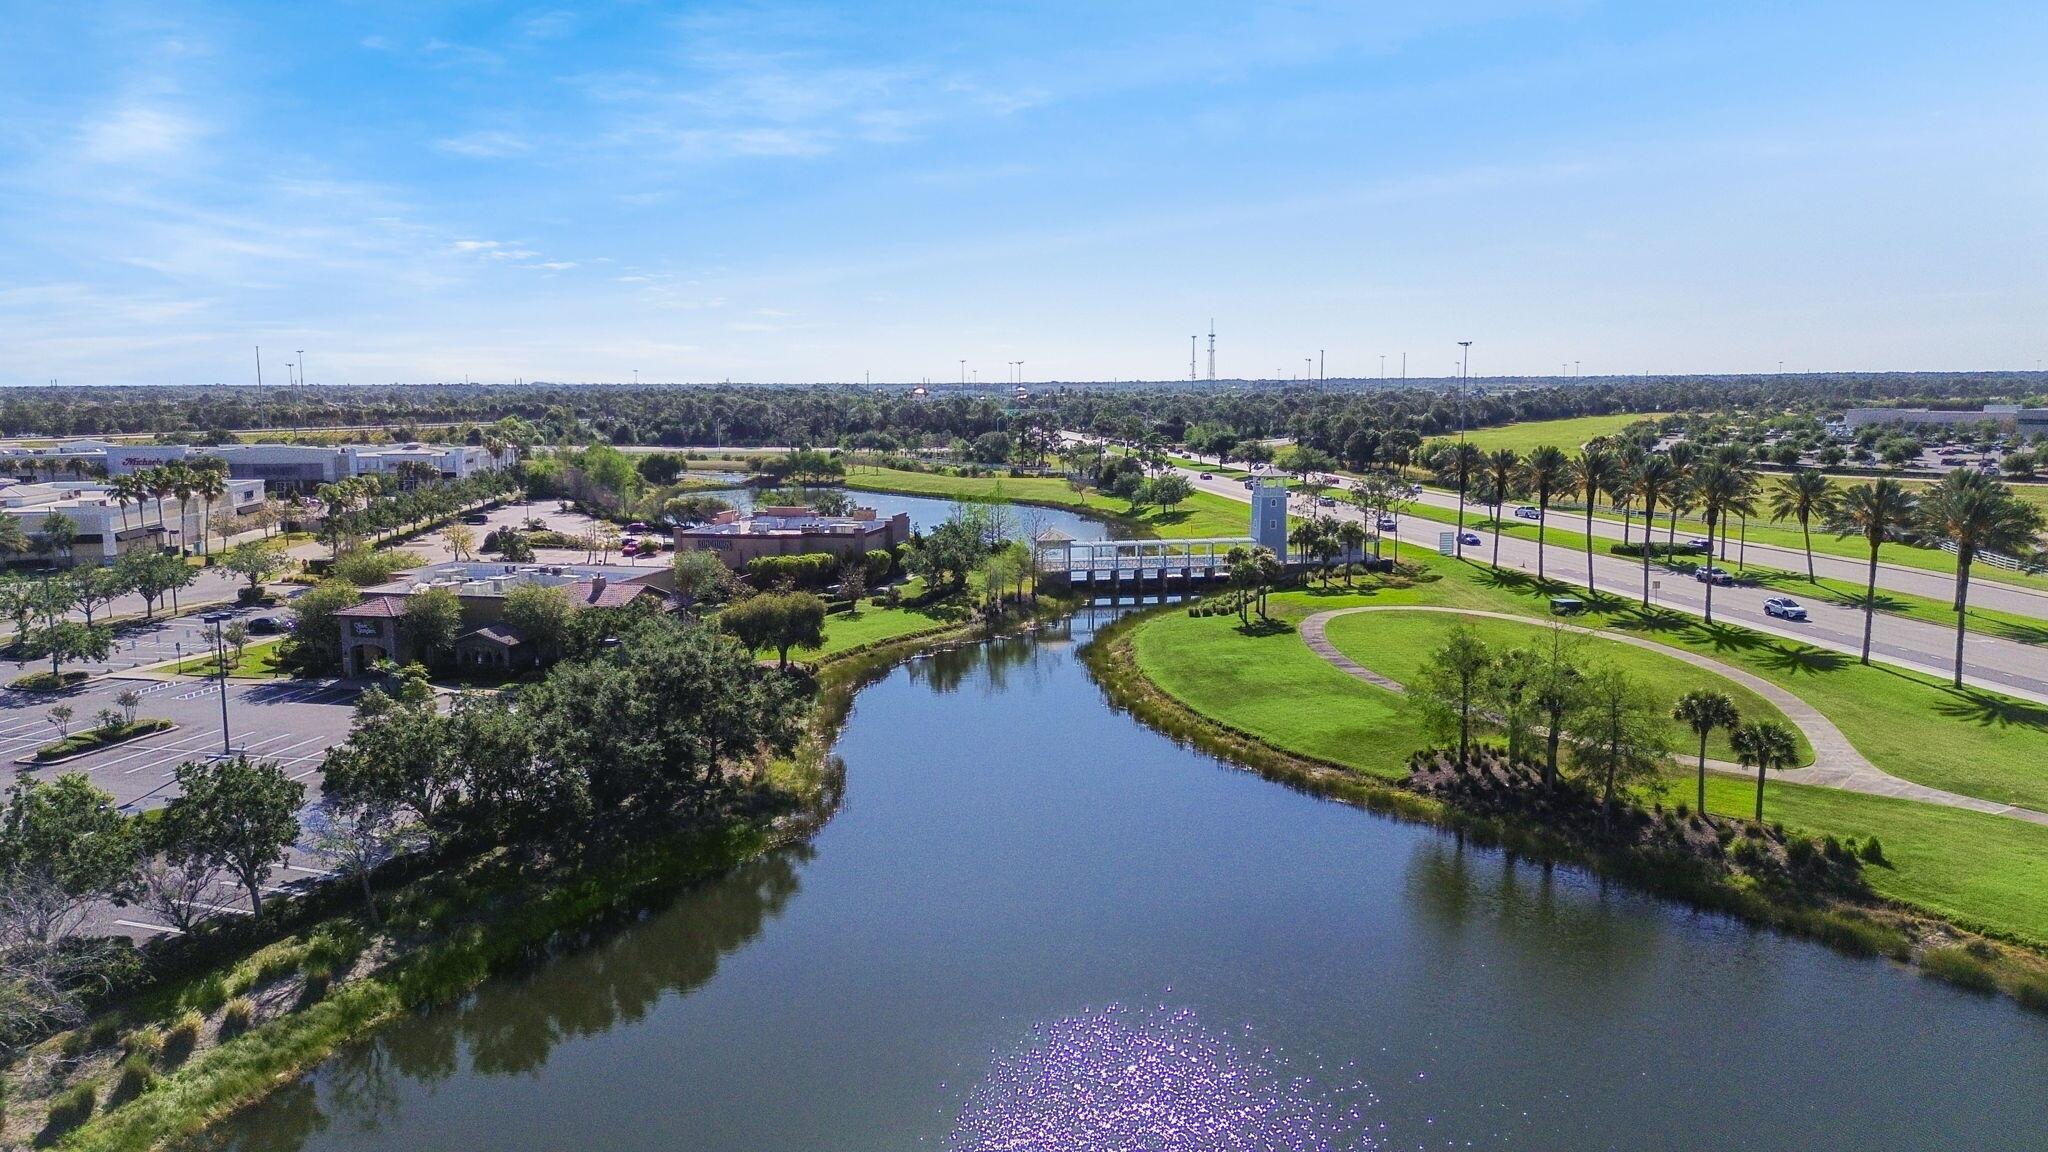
(1980, 870)
(79, 743)
(1204, 514)
(1397, 644)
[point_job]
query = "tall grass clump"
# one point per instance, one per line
(1960, 967)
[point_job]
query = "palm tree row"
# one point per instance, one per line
(1967, 512)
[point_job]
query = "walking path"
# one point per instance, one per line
(1836, 762)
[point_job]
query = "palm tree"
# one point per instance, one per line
(1351, 535)
(1977, 514)
(1244, 571)
(1464, 460)
(1721, 488)
(1500, 469)
(127, 489)
(1654, 476)
(1879, 511)
(1306, 539)
(1685, 457)
(13, 541)
(209, 484)
(1704, 710)
(1597, 472)
(1765, 746)
(1547, 469)
(1804, 496)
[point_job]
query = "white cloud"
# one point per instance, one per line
(138, 130)
(487, 145)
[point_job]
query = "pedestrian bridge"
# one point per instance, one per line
(1135, 561)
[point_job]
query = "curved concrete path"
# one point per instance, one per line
(1836, 762)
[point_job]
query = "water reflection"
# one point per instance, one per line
(1152, 1080)
(997, 665)
(511, 1026)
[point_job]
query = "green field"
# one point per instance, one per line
(258, 662)
(1568, 434)
(1203, 515)
(1396, 644)
(1983, 870)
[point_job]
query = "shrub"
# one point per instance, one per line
(237, 1018)
(181, 1038)
(2032, 992)
(808, 570)
(1873, 852)
(208, 995)
(274, 966)
(1958, 967)
(1859, 935)
(91, 1038)
(147, 1043)
(136, 1077)
(70, 1108)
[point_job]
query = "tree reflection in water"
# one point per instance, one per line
(510, 1026)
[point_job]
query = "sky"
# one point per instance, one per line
(418, 192)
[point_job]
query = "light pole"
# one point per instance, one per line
(963, 371)
(220, 655)
(302, 365)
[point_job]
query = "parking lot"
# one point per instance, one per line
(291, 722)
(137, 645)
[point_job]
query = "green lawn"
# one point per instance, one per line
(1271, 686)
(1203, 515)
(1396, 644)
(872, 625)
(258, 662)
(1568, 434)
(1982, 870)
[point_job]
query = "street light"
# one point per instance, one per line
(220, 655)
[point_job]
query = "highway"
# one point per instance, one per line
(2017, 669)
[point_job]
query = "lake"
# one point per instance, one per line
(1038, 924)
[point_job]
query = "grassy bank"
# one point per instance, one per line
(1204, 514)
(92, 740)
(1977, 869)
(1943, 893)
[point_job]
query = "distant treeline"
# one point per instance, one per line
(891, 417)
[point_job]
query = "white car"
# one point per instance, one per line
(1528, 512)
(1785, 608)
(1388, 524)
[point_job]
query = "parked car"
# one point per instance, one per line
(1528, 512)
(1388, 524)
(265, 626)
(636, 526)
(476, 518)
(1699, 544)
(1784, 608)
(1470, 538)
(1712, 574)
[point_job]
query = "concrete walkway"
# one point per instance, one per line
(1836, 762)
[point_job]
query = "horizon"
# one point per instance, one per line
(780, 194)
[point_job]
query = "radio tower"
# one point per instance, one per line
(1212, 351)
(1191, 358)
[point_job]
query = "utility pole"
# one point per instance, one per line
(1212, 351)
(302, 365)
(1404, 365)
(259, 365)
(1191, 357)
(963, 371)
(1383, 366)
(1322, 373)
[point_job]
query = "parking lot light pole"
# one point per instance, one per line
(220, 655)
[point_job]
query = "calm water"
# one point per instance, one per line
(927, 513)
(1037, 924)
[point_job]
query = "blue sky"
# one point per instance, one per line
(422, 192)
